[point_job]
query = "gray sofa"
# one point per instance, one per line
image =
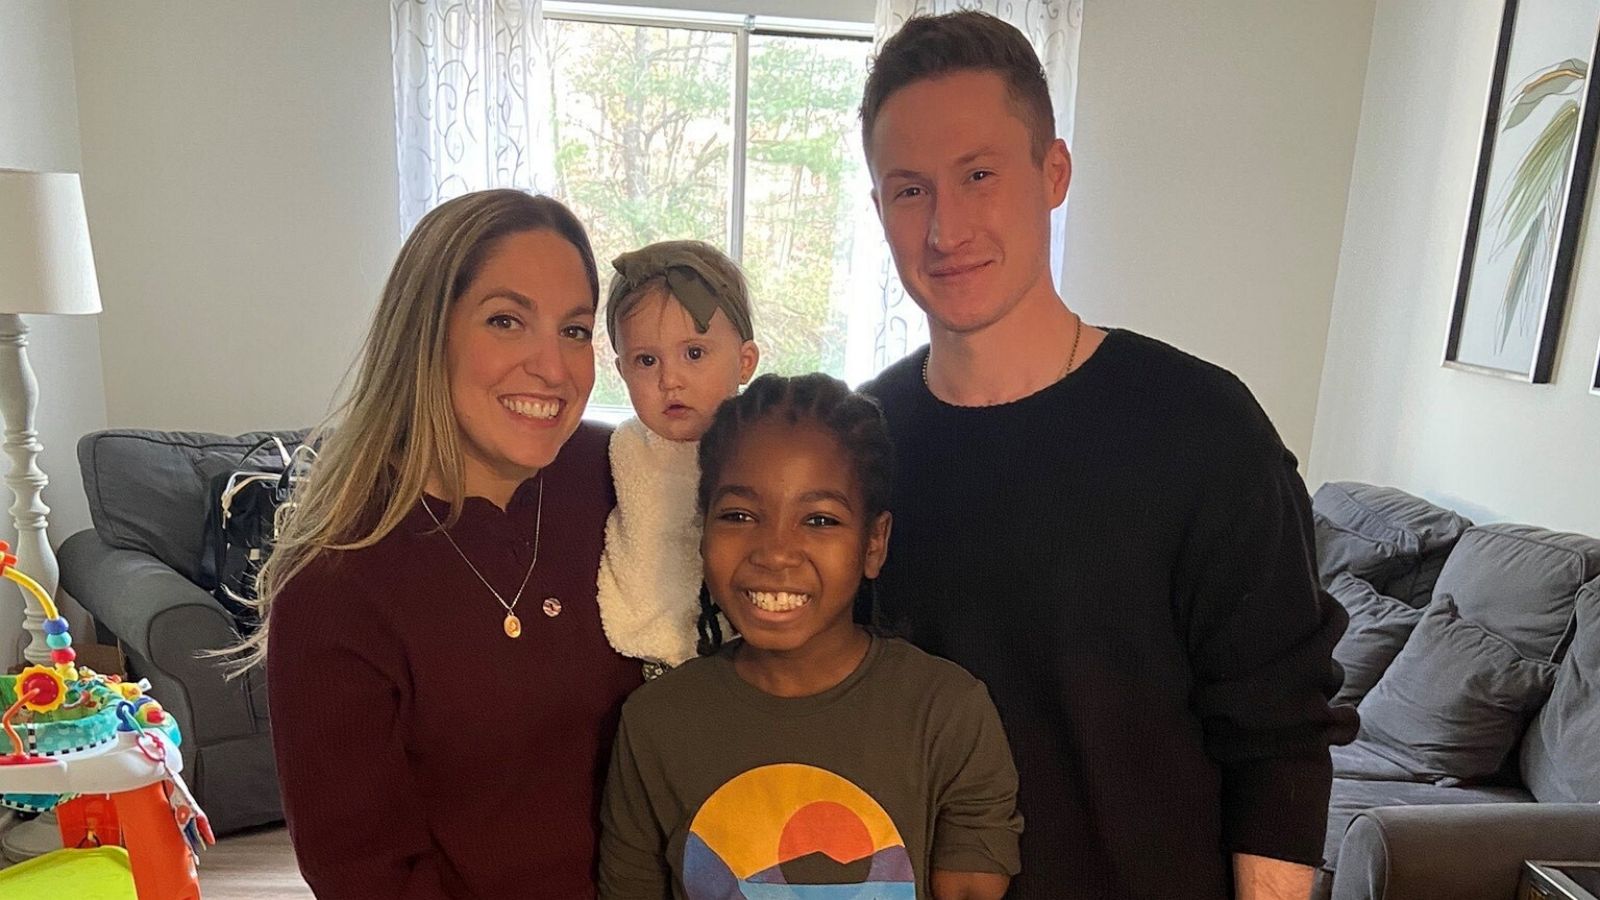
(1473, 656)
(136, 572)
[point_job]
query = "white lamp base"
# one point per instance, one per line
(19, 394)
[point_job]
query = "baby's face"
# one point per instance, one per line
(677, 376)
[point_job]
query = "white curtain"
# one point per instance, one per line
(472, 100)
(890, 325)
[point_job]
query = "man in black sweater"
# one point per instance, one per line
(1107, 531)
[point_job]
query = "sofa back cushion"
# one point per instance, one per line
(1379, 627)
(1455, 701)
(1519, 582)
(1385, 536)
(1561, 754)
(148, 489)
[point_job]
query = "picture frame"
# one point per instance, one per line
(1532, 181)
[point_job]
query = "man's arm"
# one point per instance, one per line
(1261, 878)
(1260, 633)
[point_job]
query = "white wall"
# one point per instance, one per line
(39, 132)
(1212, 162)
(1389, 413)
(239, 166)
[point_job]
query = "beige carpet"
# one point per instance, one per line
(252, 865)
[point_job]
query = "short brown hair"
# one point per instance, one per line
(934, 46)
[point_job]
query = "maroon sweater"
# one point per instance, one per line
(421, 752)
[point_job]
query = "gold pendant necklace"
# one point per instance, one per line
(512, 625)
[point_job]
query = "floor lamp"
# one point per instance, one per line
(46, 268)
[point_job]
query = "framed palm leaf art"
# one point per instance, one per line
(1528, 199)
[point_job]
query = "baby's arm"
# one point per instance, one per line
(975, 835)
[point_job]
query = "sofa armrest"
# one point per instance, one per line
(1467, 852)
(165, 622)
(128, 591)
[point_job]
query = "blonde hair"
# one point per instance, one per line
(397, 428)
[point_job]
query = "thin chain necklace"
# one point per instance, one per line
(1072, 355)
(513, 625)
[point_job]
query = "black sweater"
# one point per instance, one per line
(1126, 559)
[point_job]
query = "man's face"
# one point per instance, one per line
(964, 206)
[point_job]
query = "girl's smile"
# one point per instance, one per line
(787, 543)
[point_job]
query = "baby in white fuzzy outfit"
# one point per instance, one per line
(678, 313)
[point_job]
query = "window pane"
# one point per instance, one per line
(806, 191)
(643, 129)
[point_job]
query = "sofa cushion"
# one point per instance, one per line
(1561, 754)
(1350, 797)
(1360, 762)
(1383, 535)
(1415, 585)
(1344, 549)
(1455, 701)
(1379, 627)
(147, 489)
(1519, 582)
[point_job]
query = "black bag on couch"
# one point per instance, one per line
(243, 505)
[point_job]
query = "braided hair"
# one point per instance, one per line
(853, 419)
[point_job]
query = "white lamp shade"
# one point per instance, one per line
(46, 264)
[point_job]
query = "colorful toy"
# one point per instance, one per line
(104, 755)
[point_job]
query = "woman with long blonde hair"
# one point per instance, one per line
(443, 697)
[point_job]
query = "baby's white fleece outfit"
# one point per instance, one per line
(650, 572)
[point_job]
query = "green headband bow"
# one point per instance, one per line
(699, 286)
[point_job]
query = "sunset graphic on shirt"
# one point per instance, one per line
(794, 832)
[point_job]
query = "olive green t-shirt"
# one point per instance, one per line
(719, 790)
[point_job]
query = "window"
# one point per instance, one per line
(735, 130)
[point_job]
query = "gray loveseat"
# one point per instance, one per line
(1473, 655)
(136, 572)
